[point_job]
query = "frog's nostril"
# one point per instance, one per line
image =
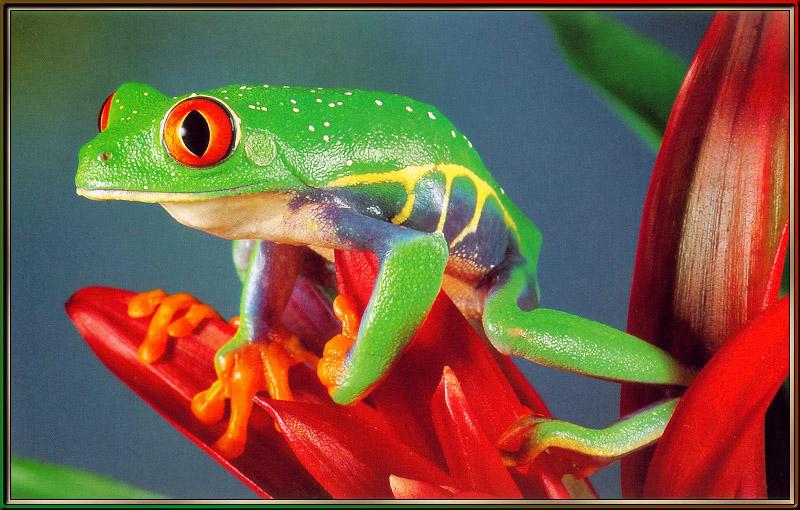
(104, 156)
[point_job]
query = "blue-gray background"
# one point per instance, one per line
(560, 153)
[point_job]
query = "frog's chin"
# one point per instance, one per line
(151, 197)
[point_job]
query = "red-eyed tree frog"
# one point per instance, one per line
(281, 170)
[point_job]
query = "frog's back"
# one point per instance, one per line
(329, 132)
(394, 158)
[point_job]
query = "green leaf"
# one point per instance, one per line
(637, 76)
(31, 479)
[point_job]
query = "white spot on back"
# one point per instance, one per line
(348, 93)
(431, 116)
(326, 138)
(409, 109)
(296, 110)
(311, 128)
(293, 101)
(349, 162)
(326, 123)
(379, 102)
(452, 133)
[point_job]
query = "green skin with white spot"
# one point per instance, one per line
(334, 169)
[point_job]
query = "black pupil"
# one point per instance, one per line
(195, 133)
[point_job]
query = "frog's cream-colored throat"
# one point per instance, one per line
(267, 216)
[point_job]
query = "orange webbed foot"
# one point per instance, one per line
(331, 368)
(244, 369)
(163, 307)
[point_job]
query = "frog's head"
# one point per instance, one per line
(155, 148)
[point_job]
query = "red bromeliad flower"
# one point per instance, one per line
(428, 431)
(712, 243)
(711, 252)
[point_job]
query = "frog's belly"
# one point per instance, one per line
(271, 216)
(463, 293)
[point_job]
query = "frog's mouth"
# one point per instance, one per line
(150, 197)
(157, 197)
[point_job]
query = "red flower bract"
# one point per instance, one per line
(721, 463)
(427, 431)
(713, 234)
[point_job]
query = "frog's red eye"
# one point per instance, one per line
(199, 132)
(102, 115)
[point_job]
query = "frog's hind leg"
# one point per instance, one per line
(532, 435)
(565, 341)
(575, 344)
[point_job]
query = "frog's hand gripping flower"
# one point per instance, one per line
(294, 167)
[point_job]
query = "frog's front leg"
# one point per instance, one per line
(259, 355)
(579, 345)
(411, 268)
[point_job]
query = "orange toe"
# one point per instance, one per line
(145, 303)
(241, 373)
(331, 368)
(163, 308)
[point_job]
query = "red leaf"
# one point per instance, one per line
(473, 461)
(717, 202)
(268, 467)
(351, 454)
(718, 199)
(718, 425)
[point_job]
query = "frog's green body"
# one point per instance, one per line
(352, 169)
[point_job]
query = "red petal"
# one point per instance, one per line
(773, 287)
(718, 199)
(405, 488)
(309, 316)
(351, 454)
(473, 460)
(447, 339)
(717, 203)
(267, 466)
(356, 272)
(718, 425)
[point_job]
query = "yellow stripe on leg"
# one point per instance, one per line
(625, 436)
